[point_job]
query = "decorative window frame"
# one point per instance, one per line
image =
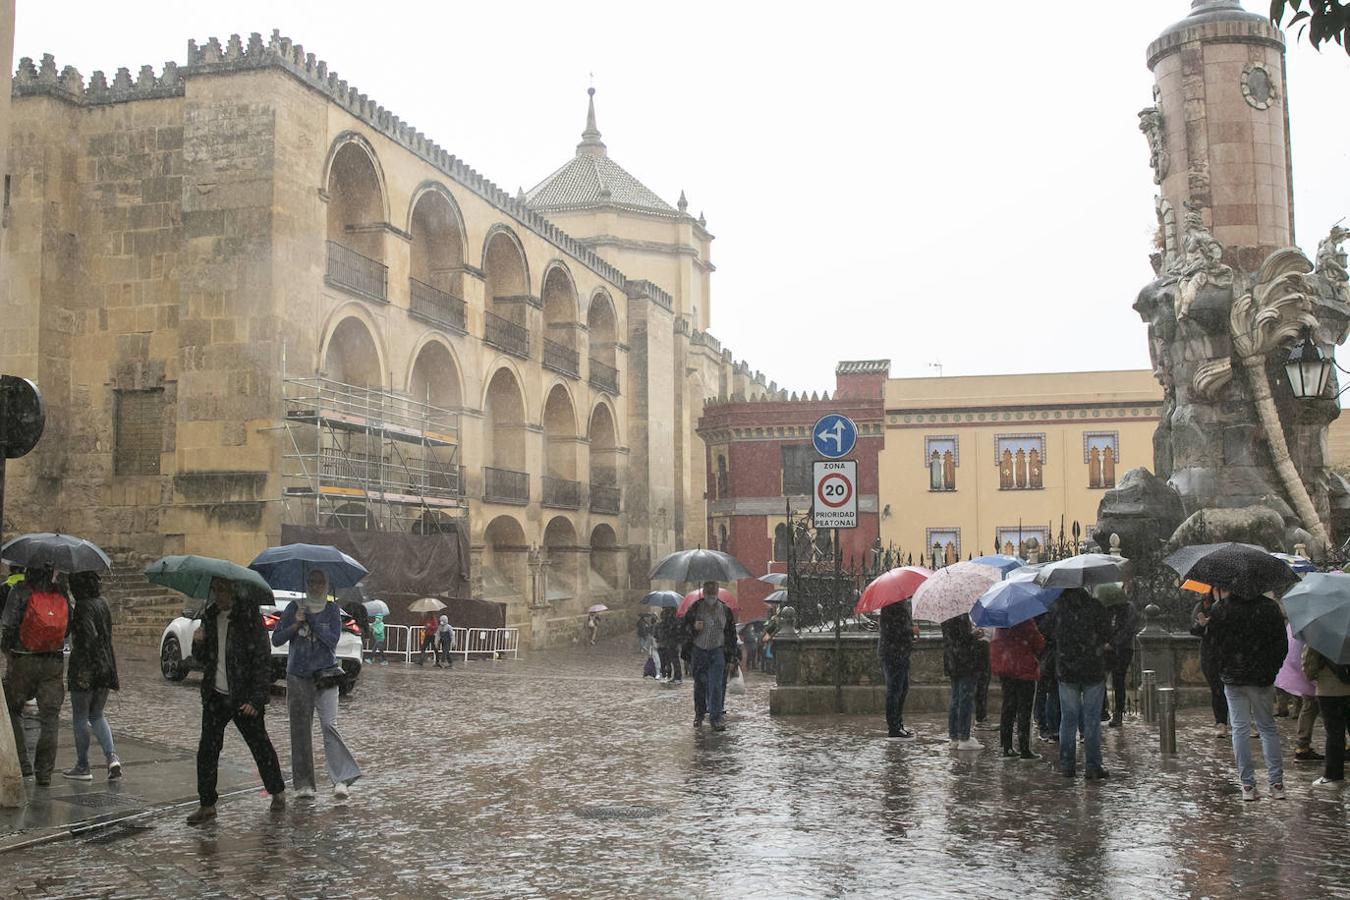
(1030, 435)
(1089, 435)
(928, 451)
(928, 534)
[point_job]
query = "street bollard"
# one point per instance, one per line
(1167, 720)
(1148, 707)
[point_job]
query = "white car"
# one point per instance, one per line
(175, 645)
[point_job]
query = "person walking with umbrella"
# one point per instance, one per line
(1082, 639)
(1209, 661)
(1013, 659)
(1124, 625)
(961, 652)
(33, 633)
(231, 645)
(312, 626)
(1333, 697)
(90, 675)
(668, 645)
(711, 628)
(895, 643)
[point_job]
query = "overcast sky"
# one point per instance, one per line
(884, 180)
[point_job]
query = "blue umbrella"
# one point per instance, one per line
(285, 567)
(1001, 561)
(1318, 608)
(663, 599)
(1010, 602)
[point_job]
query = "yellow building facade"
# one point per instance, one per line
(974, 461)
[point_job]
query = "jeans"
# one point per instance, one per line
(217, 712)
(1334, 718)
(1248, 704)
(710, 682)
(30, 676)
(1047, 706)
(962, 706)
(896, 673)
(303, 698)
(1018, 696)
(87, 711)
(377, 651)
(1080, 707)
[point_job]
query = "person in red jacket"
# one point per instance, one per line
(1013, 658)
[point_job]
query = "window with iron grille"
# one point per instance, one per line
(138, 432)
(797, 478)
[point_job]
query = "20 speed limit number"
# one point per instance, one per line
(835, 503)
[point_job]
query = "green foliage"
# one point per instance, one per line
(1322, 21)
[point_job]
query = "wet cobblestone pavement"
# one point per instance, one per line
(565, 775)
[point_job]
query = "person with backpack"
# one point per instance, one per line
(1333, 698)
(91, 674)
(33, 633)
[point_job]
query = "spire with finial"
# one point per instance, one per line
(591, 145)
(683, 203)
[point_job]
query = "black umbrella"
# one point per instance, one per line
(1186, 557)
(1242, 568)
(62, 552)
(699, 565)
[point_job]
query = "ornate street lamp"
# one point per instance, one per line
(1307, 369)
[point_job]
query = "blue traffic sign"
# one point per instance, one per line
(834, 436)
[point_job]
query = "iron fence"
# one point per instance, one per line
(355, 272)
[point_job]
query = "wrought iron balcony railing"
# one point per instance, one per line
(561, 493)
(561, 358)
(605, 498)
(437, 306)
(506, 335)
(506, 485)
(604, 376)
(354, 272)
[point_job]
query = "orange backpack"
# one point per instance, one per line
(43, 629)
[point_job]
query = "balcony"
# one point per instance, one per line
(506, 486)
(359, 274)
(604, 377)
(436, 306)
(605, 498)
(506, 335)
(561, 358)
(561, 493)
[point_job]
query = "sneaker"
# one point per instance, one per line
(114, 768)
(278, 802)
(1221, 730)
(1027, 755)
(1008, 753)
(1277, 792)
(1249, 793)
(1327, 784)
(969, 744)
(1309, 755)
(78, 773)
(201, 814)
(304, 793)
(902, 734)
(341, 791)
(1096, 774)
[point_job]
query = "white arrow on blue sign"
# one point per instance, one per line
(834, 436)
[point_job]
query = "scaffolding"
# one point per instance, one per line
(365, 458)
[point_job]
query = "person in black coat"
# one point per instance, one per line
(1209, 663)
(1046, 707)
(235, 688)
(91, 672)
(894, 645)
(961, 655)
(1082, 633)
(1124, 626)
(1251, 643)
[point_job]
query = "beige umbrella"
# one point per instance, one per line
(427, 605)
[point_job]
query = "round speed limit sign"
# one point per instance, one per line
(834, 490)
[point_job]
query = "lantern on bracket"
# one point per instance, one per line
(1307, 369)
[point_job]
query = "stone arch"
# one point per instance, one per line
(602, 322)
(434, 377)
(436, 227)
(506, 274)
(605, 558)
(504, 567)
(560, 550)
(504, 429)
(358, 199)
(558, 292)
(352, 353)
(560, 434)
(603, 433)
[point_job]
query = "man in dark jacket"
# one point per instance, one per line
(34, 672)
(236, 659)
(894, 645)
(1082, 639)
(1250, 645)
(1124, 626)
(710, 628)
(961, 654)
(1209, 663)
(91, 672)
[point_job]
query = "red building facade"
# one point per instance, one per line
(759, 461)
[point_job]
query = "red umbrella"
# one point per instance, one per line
(895, 586)
(692, 597)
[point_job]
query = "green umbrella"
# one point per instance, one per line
(192, 575)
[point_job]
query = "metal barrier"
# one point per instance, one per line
(406, 640)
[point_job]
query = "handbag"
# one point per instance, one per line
(736, 684)
(329, 678)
